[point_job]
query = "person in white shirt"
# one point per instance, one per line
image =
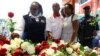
(70, 25)
(54, 23)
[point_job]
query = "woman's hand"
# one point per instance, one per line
(50, 36)
(69, 43)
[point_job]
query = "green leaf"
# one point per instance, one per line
(0, 38)
(13, 23)
(81, 48)
(63, 50)
(50, 41)
(11, 29)
(82, 53)
(93, 54)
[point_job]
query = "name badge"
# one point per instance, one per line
(37, 20)
(42, 21)
(89, 20)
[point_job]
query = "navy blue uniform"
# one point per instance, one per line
(33, 30)
(86, 31)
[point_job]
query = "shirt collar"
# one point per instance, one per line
(32, 16)
(56, 15)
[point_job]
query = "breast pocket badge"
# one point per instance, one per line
(88, 20)
(42, 21)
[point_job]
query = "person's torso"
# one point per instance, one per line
(67, 25)
(87, 27)
(35, 27)
(67, 29)
(56, 24)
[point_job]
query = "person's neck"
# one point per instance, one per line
(56, 14)
(34, 15)
(87, 15)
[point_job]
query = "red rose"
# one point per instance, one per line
(57, 41)
(14, 54)
(38, 49)
(43, 54)
(18, 51)
(1, 43)
(61, 46)
(25, 54)
(3, 51)
(5, 40)
(10, 14)
(54, 48)
(45, 44)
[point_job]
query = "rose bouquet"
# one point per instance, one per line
(19, 47)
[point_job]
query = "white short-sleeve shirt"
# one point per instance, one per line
(54, 25)
(67, 29)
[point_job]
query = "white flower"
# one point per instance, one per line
(62, 42)
(8, 54)
(69, 50)
(31, 49)
(94, 51)
(12, 41)
(76, 45)
(43, 51)
(80, 55)
(74, 54)
(49, 52)
(87, 49)
(25, 45)
(33, 55)
(17, 41)
(7, 47)
(58, 53)
(13, 47)
(54, 45)
(99, 51)
(38, 44)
